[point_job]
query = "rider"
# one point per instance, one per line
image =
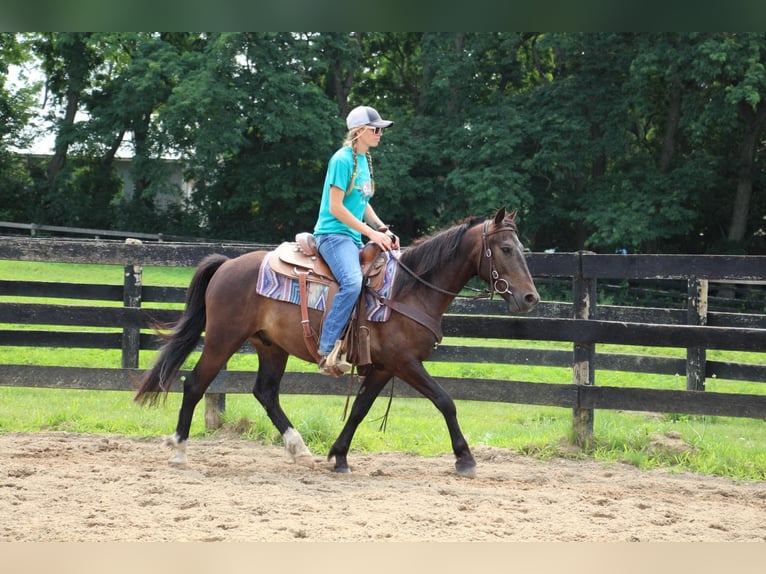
(345, 214)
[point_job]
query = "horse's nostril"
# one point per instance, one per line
(531, 299)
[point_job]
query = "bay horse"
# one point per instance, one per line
(222, 301)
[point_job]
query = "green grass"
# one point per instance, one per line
(90, 273)
(724, 446)
(712, 445)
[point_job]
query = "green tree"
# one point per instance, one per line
(454, 150)
(741, 87)
(124, 110)
(15, 114)
(610, 142)
(649, 141)
(576, 127)
(68, 60)
(252, 115)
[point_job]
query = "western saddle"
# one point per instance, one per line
(301, 261)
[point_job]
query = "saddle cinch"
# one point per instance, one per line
(301, 261)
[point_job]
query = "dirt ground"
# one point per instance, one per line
(78, 488)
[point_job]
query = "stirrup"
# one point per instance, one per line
(325, 369)
(337, 358)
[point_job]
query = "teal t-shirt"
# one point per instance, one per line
(339, 171)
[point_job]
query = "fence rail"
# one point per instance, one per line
(584, 324)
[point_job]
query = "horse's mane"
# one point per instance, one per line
(429, 254)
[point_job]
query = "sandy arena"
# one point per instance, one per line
(76, 488)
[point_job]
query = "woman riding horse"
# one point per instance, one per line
(223, 302)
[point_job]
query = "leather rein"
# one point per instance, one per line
(486, 251)
(497, 285)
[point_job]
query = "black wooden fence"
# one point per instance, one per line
(583, 324)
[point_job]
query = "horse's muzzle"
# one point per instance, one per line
(523, 302)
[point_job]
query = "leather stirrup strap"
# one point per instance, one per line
(308, 333)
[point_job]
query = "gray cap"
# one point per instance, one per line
(366, 116)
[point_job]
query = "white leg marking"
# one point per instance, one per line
(179, 450)
(296, 448)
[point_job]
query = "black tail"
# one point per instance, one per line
(184, 336)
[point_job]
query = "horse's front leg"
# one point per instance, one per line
(415, 374)
(370, 389)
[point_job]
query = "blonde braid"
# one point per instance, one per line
(351, 142)
(372, 176)
(351, 139)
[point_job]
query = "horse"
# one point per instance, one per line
(222, 301)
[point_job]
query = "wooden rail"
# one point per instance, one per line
(582, 323)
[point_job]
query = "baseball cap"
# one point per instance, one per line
(366, 116)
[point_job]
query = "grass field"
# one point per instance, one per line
(713, 445)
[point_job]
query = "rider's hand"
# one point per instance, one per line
(386, 241)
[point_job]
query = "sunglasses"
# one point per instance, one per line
(376, 131)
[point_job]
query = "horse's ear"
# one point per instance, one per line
(512, 215)
(499, 216)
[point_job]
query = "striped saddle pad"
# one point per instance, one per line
(282, 287)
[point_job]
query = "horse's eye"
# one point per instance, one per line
(505, 249)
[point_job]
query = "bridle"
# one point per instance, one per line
(497, 284)
(426, 320)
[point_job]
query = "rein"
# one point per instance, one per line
(426, 283)
(495, 278)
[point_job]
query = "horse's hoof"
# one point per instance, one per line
(179, 451)
(341, 470)
(177, 459)
(466, 471)
(305, 460)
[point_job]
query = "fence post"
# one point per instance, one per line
(584, 371)
(131, 298)
(215, 407)
(215, 401)
(696, 312)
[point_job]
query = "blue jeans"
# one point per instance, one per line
(342, 256)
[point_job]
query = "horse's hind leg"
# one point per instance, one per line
(271, 368)
(195, 385)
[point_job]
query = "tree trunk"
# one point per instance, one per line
(672, 119)
(141, 158)
(342, 76)
(62, 139)
(108, 158)
(754, 122)
(72, 55)
(598, 163)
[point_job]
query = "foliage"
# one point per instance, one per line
(646, 141)
(15, 114)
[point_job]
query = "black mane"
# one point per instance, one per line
(428, 255)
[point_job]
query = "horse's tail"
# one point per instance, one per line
(184, 335)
